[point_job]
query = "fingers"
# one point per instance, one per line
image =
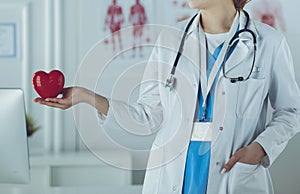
(52, 102)
(54, 105)
(232, 161)
(38, 100)
(43, 101)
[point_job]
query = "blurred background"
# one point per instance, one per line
(57, 34)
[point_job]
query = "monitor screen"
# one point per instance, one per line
(14, 160)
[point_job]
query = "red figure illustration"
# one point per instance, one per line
(182, 4)
(114, 19)
(269, 12)
(138, 19)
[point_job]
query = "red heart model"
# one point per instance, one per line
(48, 85)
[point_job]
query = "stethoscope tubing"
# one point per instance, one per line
(170, 81)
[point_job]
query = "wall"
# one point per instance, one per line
(58, 33)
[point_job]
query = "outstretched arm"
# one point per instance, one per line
(75, 95)
(146, 114)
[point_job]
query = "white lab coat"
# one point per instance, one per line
(239, 111)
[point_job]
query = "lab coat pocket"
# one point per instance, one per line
(246, 167)
(248, 179)
(250, 94)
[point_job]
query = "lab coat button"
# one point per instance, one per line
(223, 93)
(221, 128)
(217, 163)
(174, 188)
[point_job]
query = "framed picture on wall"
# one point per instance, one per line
(8, 40)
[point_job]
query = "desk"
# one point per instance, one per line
(76, 173)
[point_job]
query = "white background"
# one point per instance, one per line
(58, 33)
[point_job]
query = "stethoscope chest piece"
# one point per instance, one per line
(171, 82)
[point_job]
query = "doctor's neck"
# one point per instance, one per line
(218, 19)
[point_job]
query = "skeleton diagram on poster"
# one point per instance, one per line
(114, 20)
(137, 18)
(269, 12)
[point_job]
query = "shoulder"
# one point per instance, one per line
(268, 34)
(140, 6)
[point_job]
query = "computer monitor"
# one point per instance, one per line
(14, 160)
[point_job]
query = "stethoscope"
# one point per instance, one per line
(170, 82)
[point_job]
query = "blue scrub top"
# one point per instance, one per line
(198, 156)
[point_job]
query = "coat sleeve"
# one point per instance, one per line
(284, 96)
(146, 114)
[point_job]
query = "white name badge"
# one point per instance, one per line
(202, 131)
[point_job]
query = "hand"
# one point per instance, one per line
(70, 96)
(251, 154)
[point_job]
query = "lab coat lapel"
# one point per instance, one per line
(238, 55)
(243, 47)
(190, 60)
(192, 53)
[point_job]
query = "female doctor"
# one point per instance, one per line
(210, 116)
